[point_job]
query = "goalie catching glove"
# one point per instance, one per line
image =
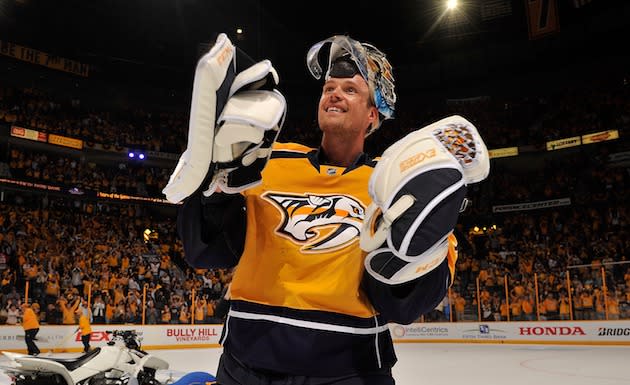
(418, 189)
(235, 117)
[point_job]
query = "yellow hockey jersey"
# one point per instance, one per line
(301, 302)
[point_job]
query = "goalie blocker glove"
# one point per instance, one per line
(418, 189)
(235, 117)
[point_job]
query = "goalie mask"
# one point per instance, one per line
(370, 63)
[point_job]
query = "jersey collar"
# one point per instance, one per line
(318, 157)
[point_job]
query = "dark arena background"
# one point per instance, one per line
(94, 106)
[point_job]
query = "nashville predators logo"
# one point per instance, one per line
(319, 222)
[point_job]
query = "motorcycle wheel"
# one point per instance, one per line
(147, 377)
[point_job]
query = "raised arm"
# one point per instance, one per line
(212, 229)
(235, 117)
(418, 189)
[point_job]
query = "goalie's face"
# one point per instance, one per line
(345, 108)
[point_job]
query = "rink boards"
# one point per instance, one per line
(66, 339)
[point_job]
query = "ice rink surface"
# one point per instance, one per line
(470, 364)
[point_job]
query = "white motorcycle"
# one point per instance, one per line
(120, 362)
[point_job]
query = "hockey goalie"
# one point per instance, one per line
(329, 244)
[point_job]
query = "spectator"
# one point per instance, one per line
(98, 310)
(13, 314)
(85, 328)
(30, 324)
(564, 311)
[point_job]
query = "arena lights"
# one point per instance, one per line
(451, 4)
(483, 230)
(136, 155)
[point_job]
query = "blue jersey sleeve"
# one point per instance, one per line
(212, 230)
(405, 303)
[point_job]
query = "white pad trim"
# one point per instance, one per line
(244, 120)
(254, 77)
(223, 185)
(194, 162)
(420, 266)
(374, 236)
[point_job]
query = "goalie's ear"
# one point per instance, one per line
(375, 120)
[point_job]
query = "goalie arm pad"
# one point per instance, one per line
(212, 230)
(384, 265)
(406, 302)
